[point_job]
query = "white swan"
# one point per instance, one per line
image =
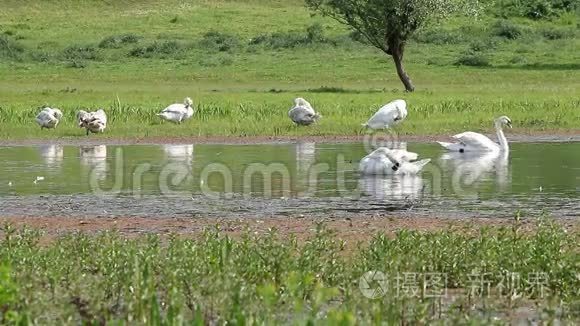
(389, 115)
(391, 161)
(302, 113)
(178, 112)
(48, 118)
(474, 142)
(92, 121)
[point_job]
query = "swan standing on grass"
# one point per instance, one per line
(92, 121)
(391, 161)
(178, 112)
(474, 142)
(302, 113)
(48, 118)
(388, 116)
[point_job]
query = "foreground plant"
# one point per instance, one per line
(267, 279)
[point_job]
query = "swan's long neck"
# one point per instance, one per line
(503, 144)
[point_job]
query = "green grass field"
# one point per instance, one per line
(457, 276)
(243, 62)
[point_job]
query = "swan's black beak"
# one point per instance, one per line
(509, 124)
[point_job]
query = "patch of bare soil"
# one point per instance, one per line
(352, 230)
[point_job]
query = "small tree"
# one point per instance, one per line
(388, 24)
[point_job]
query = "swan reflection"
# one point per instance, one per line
(52, 155)
(179, 153)
(469, 169)
(394, 187)
(95, 157)
(305, 156)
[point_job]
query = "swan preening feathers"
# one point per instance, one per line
(302, 113)
(387, 116)
(48, 118)
(92, 121)
(383, 161)
(474, 142)
(178, 112)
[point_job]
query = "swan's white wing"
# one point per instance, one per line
(45, 118)
(101, 116)
(302, 115)
(375, 164)
(175, 112)
(413, 167)
(402, 155)
(175, 108)
(388, 115)
(474, 140)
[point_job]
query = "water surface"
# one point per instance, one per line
(282, 179)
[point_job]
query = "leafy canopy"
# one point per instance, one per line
(388, 23)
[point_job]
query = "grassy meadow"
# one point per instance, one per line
(243, 62)
(456, 276)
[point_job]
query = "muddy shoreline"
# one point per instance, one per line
(352, 230)
(532, 136)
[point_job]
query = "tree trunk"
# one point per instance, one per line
(397, 53)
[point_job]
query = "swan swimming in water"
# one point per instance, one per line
(391, 161)
(475, 142)
(92, 121)
(302, 113)
(178, 112)
(387, 116)
(48, 118)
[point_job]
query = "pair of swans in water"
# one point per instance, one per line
(384, 161)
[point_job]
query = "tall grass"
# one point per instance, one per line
(266, 114)
(270, 279)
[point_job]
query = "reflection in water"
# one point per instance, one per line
(95, 157)
(51, 154)
(472, 168)
(305, 156)
(394, 187)
(178, 171)
(179, 153)
(305, 160)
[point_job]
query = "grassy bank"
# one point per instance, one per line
(463, 276)
(243, 62)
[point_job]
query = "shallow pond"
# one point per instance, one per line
(281, 179)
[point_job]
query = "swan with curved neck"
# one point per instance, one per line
(178, 112)
(387, 116)
(475, 142)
